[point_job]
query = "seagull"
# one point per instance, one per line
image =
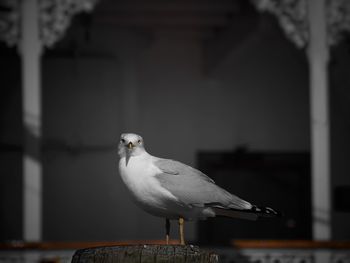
(175, 191)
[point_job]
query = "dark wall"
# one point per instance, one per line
(256, 96)
(266, 179)
(340, 140)
(10, 145)
(80, 126)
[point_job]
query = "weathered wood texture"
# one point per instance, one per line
(144, 254)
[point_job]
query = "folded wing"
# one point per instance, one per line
(193, 188)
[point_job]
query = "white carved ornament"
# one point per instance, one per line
(293, 18)
(338, 15)
(54, 18)
(9, 21)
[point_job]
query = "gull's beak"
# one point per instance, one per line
(130, 145)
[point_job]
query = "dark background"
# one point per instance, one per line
(230, 80)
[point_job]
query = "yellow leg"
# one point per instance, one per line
(167, 229)
(181, 227)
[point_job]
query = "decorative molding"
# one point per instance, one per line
(55, 17)
(338, 15)
(9, 21)
(292, 15)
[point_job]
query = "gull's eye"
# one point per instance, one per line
(139, 141)
(122, 140)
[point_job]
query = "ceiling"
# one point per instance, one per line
(169, 13)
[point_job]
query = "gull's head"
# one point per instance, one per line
(130, 144)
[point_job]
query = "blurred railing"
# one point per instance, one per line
(241, 251)
(286, 251)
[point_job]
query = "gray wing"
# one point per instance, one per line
(174, 167)
(194, 188)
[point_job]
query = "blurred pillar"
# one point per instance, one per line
(30, 49)
(320, 144)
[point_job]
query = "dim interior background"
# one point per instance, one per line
(218, 80)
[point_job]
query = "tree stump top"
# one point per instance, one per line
(144, 254)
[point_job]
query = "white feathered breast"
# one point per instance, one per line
(139, 178)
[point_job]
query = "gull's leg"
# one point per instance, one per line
(181, 226)
(167, 230)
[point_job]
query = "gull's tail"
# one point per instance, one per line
(253, 213)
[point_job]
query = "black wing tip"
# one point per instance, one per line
(266, 211)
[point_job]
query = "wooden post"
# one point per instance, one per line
(320, 150)
(30, 49)
(144, 253)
